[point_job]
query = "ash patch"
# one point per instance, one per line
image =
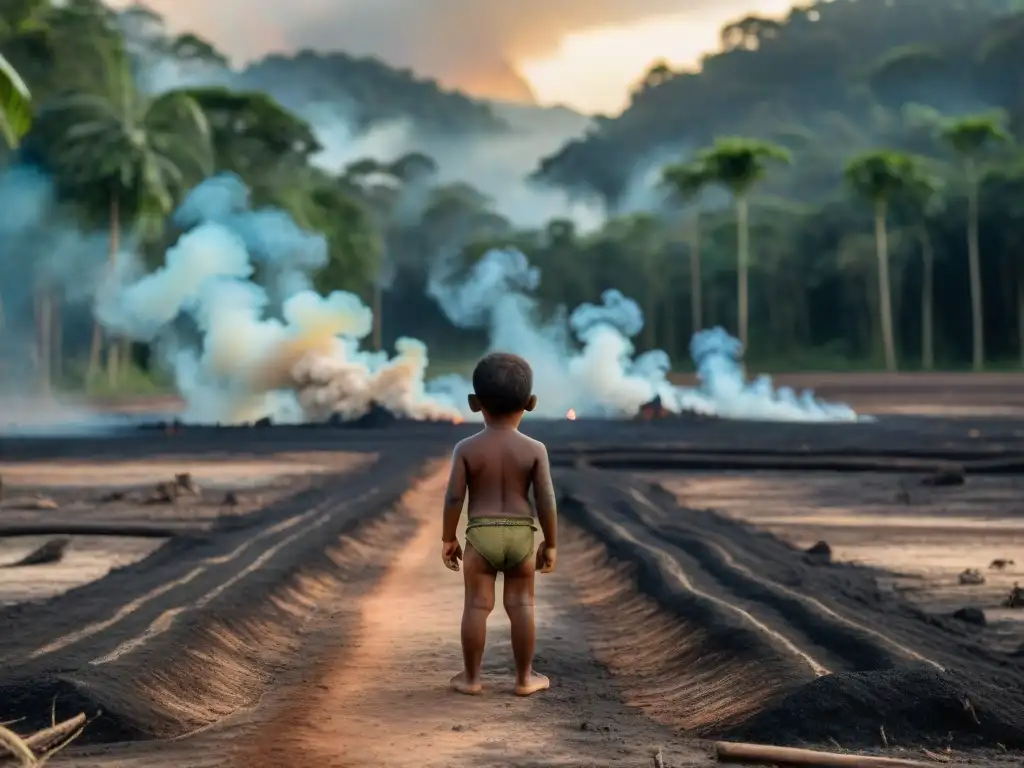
(914, 705)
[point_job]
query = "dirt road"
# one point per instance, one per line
(384, 700)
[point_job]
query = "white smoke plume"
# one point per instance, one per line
(275, 348)
(586, 362)
(270, 349)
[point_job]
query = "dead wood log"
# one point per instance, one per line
(763, 753)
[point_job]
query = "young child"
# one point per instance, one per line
(499, 465)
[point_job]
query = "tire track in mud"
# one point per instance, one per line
(151, 608)
(860, 647)
(868, 659)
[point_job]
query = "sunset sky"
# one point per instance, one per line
(592, 70)
(584, 53)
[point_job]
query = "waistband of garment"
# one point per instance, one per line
(488, 522)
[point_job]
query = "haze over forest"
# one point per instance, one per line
(846, 109)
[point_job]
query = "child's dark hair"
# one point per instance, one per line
(503, 383)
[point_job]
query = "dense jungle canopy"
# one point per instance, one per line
(817, 164)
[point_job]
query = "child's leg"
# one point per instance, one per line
(479, 578)
(518, 599)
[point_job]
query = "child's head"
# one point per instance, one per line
(502, 386)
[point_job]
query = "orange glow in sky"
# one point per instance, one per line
(594, 70)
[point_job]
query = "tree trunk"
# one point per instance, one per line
(1020, 313)
(884, 298)
(378, 320)
(668, 317)
(57, 335)
(96, 348)
(974, 267)
(927, 297)
(696, 292)
(651, 308)
(743, 254)
(44, 351)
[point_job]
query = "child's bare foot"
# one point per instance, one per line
(462, 684)
(535, 682)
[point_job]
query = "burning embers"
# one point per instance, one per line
(655, 410)
(377, 417)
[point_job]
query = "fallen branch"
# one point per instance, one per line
(48, 738)
(27, 750)
(763, 753)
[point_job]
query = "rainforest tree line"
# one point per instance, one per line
(841, 188)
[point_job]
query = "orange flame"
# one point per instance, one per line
(571, 415)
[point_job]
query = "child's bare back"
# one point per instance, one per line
(497, 468)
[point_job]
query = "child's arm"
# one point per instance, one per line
(454, 499)
(547, 510)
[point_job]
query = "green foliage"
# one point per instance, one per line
(687, 180)
(880, 175)
(739, 163)
(15, 105)
(111, 136)
(969, 135)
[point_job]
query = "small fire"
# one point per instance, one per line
(571, 415)
(457, 420)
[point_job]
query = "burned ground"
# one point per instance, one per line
(756, 641)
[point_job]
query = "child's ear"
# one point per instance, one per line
(531, 403)
(474, 404)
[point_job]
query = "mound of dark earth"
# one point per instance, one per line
(914, 706)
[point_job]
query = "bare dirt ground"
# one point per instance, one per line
(384, 699)
(370, 688)
(922, 537)
(111, 495)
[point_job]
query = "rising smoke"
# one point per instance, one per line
(269, 346)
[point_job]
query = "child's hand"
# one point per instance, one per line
(546, 557)
(451, 553)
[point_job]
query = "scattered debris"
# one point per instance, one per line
(903, 494)
(971, 576)
(113, 496)
(947, 476)
(51, 552)
(186, 484)
(163, 493)
(971, 615)
(31, 502)
(1000, 564)
(820, 553)
(1016, 597)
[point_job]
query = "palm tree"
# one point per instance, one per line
(969, 136)
(687, 181)
(877, 177)
(15, 105)
(139, 149)
(738, 164)
(923, 197)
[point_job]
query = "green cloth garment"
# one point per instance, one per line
(504, 542)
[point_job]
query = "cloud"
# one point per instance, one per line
(472, 44)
